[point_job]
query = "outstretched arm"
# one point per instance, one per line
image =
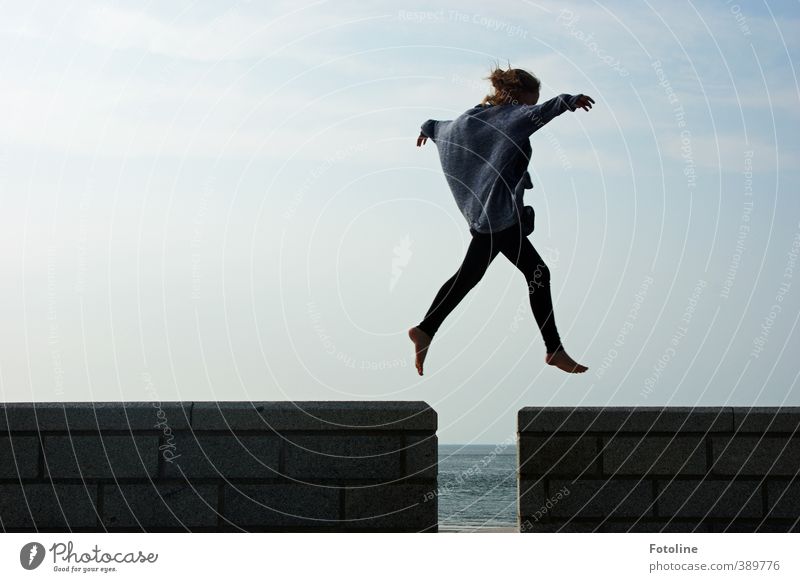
(536, 116)
(428, 130)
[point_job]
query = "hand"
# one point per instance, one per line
(422, 139)
(584, 102)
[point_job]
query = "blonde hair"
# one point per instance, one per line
(508, 84)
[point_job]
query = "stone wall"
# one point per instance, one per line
(218, 466)
(677, 469)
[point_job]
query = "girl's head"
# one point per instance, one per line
(514, 86)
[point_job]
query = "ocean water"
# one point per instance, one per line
(477, 487)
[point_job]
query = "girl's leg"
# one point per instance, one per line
(482, 250)
(519, 250)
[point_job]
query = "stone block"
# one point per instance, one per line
(708, 498)
(762, 419)
(532, 497)
(316, 415)
(19, 457)
(591, 498)
(644, 455)
(755, 526)
(783, 499)
(100, 456)
(48, 507)
(651, 525)
(600, 525)
(330, 456)
(422, 457)
(147, 506)
(558, 455)
(561, 526)
(225, 456)
(395, 507)
(755, 456)
(50, 416)
(592, 419)
(281, 505)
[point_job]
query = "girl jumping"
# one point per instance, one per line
(484, 153)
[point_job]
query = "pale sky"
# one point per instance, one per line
(224, 201)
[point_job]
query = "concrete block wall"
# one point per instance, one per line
(218, 466)
(651, 469)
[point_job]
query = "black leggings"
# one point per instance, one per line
(482, 250)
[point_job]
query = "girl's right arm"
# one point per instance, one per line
(427, 130)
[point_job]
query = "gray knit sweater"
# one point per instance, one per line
(485, 153)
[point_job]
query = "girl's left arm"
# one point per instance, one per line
(536, 116)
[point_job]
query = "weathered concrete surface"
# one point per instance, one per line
(651, 469)
(218, 466)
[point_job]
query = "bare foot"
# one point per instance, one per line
(421, 342)
(561, 360)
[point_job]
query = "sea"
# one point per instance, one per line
(477, 488)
